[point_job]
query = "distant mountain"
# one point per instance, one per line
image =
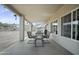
(5, 26)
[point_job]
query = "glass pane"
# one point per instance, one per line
(78, 24)
(74, 24)
(78, 14)
(78, 31)
(66, 26)
(73, 31)
(74, 15)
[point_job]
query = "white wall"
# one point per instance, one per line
(69, 44)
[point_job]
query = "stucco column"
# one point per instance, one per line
(51, 27)
(21, 28)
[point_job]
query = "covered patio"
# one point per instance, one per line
(44, 16)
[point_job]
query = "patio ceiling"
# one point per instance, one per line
(37, 12)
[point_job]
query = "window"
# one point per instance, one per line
(75, 23)
(67, 22)
(78, 24)
(54, 27)
(66, 26)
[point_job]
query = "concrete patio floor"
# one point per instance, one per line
(7, 38)
(23, 48)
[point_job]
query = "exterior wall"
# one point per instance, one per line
(69, 44)
(63, 10)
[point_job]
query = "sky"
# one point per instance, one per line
(7, 16)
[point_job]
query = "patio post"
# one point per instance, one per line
(21, 28)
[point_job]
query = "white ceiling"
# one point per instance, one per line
(37, 12)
